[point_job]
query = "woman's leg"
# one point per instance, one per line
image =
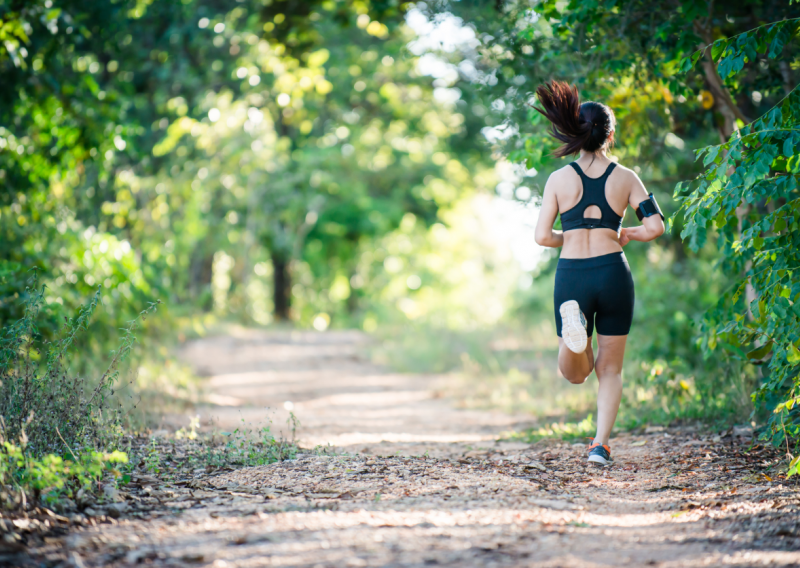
(575, 367)
(608, 367)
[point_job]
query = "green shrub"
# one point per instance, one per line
(746, 197)
(42, 404)
(25, 479)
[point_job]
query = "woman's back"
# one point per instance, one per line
(572, 193)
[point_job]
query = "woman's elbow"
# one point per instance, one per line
(542, 240)
(655, 230)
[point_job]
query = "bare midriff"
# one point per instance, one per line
(588, 243)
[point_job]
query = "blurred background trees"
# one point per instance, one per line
(373, 165)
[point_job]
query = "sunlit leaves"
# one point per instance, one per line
(749, 190)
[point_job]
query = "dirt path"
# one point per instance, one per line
(339, 396)
(423, 484)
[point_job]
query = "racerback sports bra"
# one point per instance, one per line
(594, 193)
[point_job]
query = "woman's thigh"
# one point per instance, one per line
(615, 300)
(610, 354)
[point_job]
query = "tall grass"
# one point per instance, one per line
(42, 404)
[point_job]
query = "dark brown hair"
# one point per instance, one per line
(588, 126)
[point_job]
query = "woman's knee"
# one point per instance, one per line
(604, 373)
(576, 377)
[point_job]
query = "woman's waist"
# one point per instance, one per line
(590, 243)
(617, 257)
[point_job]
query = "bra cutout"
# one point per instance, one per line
(599, 212)
(594, 193)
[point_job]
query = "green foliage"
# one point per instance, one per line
(748, 197)
(42, 402)
(114, 171)
(644, 68)
(246, 446)
(251, 447)
(568, 431)
(47, 479)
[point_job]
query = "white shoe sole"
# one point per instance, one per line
(599, 460)
(572, 330)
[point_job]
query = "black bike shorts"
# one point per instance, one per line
(603, 288)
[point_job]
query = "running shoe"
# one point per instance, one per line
(573, 326)
(600, 454)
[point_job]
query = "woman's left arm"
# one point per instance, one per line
(545, 235)
(651, 228)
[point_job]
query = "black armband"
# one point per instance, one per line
(649, 207)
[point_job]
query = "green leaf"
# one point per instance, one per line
(760, 352)
(794, 467)
(788, 147)
(793, 355)
(718, 48)
(711, 155)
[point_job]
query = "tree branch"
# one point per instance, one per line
(715, 84)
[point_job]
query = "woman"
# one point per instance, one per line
(593, 284)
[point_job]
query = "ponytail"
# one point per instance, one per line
(588, 126)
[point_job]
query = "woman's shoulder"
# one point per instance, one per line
(624, 178)
(624, 173)
(563, 173)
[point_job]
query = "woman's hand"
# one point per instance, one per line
(624, 238)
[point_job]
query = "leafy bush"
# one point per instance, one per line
(25, 479)
(748, 193)
(42, 403)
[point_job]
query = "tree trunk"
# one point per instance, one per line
(201, 270)
(282, 285)
(730, 112)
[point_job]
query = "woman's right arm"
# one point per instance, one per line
(545, 235)
(651, 227)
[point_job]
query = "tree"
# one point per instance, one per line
(88, 91)
(332, 149)
(747, 195)
(631, 55)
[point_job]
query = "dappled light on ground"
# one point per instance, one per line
(541, 506)
(340, 397)
(418, 482)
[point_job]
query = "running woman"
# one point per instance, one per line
(593, 284)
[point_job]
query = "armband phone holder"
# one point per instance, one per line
(649, 207)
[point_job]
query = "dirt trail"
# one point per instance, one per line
(339, 396)
(423, 484)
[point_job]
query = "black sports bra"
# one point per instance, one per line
(594, 193)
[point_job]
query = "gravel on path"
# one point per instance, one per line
(673, 497)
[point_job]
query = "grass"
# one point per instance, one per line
(566, 431)
(42, 403)
(62, 435)
(57, 482)
(514, 369)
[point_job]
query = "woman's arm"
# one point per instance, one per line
(652, 227)
(545, 235)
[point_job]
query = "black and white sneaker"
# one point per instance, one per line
(599, 454)
(573, 326)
